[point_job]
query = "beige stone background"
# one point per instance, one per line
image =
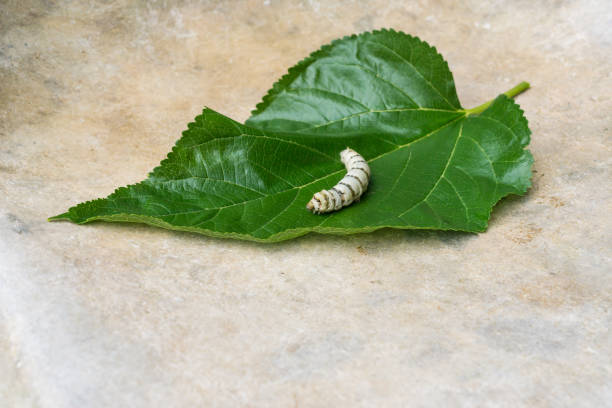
(94, 94)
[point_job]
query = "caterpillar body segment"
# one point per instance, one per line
(348, 190)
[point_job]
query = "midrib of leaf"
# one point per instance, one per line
(521, 87)
(378, 111)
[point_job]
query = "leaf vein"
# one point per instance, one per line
(450, 158)
(377, 75)
(297, 193)
(467, 216)
(415, 70)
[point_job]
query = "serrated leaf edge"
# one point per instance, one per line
(298, 68)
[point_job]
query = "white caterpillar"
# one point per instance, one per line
(349, 189)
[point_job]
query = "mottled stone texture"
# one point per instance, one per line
(94, 94)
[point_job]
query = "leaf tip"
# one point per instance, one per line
(60, 217)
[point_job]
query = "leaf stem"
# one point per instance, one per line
(511, 93)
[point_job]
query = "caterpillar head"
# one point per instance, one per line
(316, 203)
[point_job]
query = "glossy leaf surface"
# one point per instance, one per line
(385, 94)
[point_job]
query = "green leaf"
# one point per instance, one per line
(389, 96)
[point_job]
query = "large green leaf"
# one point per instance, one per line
(389, 96)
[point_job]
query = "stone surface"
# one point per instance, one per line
(94, 94)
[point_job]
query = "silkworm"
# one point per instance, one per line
(348, 190)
